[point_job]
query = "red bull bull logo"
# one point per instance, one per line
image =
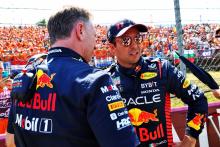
(138, 117)
(44, 80)
(196, 122)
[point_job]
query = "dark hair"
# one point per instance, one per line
(61, 24)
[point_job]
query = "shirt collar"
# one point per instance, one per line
(132, 71)
(64, 52)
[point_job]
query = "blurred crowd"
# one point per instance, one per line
(17, 44)
(161, 41)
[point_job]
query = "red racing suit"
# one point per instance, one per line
(146, 92)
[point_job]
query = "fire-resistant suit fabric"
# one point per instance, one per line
(146, 92)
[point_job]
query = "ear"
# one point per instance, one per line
(80, 30)
(112, 48)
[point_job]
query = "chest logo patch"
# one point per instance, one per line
(148, 75)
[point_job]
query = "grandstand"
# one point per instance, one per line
(17, 44)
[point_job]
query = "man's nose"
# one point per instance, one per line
(134, 44)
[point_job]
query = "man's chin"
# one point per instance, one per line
(134, 62)
(135, 59)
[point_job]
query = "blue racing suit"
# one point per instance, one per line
(146, 92)
(74, 105)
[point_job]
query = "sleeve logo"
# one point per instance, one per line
(148, 75)
(116, 105)
(196, 122)
(186, 83)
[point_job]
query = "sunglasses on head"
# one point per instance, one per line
(127, 40)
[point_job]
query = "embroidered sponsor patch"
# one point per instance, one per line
(148, 75)
(152, 66)
(186, 83)
(138, 117)
(44, 80)
(108, 88)
(196, 122)
(116, 105)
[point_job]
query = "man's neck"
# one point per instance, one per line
(129, 66)
(66, 43)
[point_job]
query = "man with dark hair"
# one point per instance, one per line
(145, 86)
(74, 105)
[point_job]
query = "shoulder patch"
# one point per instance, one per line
(186, 83)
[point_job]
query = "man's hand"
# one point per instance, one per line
(187, 141)
(216, 93)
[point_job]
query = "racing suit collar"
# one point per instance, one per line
(64, 52)
(132, 71)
